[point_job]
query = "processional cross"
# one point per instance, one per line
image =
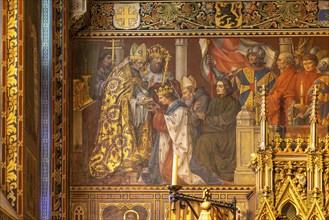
(112, 47)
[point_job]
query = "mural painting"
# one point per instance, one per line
(138, 103)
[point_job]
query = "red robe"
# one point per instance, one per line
(159, 124)
(280, 97)
(306, 79)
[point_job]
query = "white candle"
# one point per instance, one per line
(263, 133)
(174, 170)
(301, 92)
(301, 88)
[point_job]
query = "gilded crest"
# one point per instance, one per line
(323, 13)
(228, 14)
(126, 16)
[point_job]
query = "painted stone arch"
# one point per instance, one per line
(79, 211)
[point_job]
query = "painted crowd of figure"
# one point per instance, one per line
(147, 116)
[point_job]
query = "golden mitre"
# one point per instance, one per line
(165, 89)
(138, 52)
(157, 50)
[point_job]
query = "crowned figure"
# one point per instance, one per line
(174, 138)
(157, 72)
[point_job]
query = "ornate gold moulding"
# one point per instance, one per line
(153, 188)
(202, 33)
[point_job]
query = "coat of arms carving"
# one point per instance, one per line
(126, 16)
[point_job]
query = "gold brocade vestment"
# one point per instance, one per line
(117, 148)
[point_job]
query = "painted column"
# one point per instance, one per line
(181, 58)
(247, 135)
(285, 45)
